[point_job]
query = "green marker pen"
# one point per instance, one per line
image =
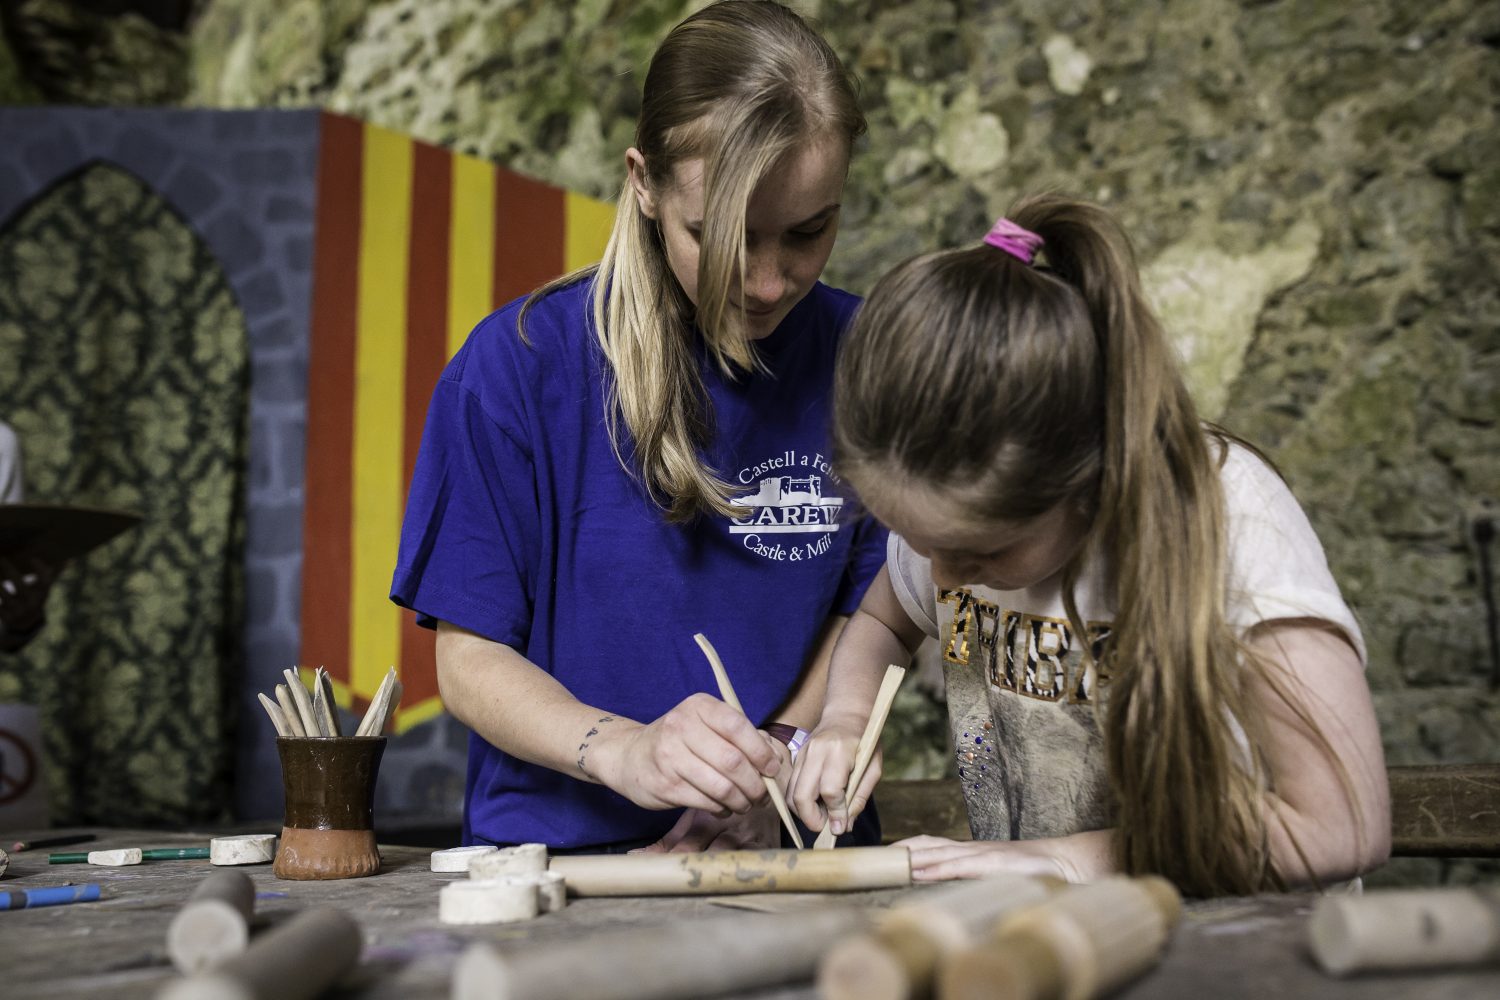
(174, 853)
(150, 854)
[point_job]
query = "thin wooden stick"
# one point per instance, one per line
(277, 718)
(726, 691)
(304, 703)
(867, 743)
(289, 709)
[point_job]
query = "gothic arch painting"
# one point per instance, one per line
(126, 381)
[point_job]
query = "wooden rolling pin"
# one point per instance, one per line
(1406, 930)
(1082, 942)
(684, 960)
(716, 873)
(898, 957)
(295, 960)
(214, 924)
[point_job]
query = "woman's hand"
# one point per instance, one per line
(757, 829)
(702, 754)
(822, 771)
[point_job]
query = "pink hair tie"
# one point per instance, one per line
(1021, 244)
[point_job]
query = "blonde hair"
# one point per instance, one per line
(1020, 388)
(738, 84)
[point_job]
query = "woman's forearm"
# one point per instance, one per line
(521, 709)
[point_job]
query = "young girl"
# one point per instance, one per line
(639, 452)
(1148, 665)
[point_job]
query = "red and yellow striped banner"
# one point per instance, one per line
(414, 246)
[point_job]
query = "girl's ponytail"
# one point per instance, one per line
(1188, 786)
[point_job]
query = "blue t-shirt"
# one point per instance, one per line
(523, 527)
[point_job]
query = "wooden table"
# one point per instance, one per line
(1239, 949)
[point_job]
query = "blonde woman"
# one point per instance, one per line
(639, 452)
(1149, 667)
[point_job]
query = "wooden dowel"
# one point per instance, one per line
(303, 702)
(214, 924)
(295, 960)
(684, 960)
(1082, 942)
(898, 957)
(278, 719)
(726, 691)
(289, 710)
(1406, 930)
(725, 872)
(868, 740)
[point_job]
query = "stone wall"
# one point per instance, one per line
(1314, 188)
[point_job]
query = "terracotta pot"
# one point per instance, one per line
(329, 784)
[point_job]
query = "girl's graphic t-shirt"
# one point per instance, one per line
(1023, 709)
(523, 527)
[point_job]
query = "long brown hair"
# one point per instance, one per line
(738, 84)
(1021, 388)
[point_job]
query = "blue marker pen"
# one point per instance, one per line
(57, 895)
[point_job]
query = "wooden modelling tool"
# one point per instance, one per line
(289, 712)
(278, 717)
(1406, 930)
(726, 691)
(300, 698)
(295, 960)
(214, 924)
(1081, 943)
(898, 957)
(712, 873)
(889, 684)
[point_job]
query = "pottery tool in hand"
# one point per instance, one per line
(726, 691)
(867, 743)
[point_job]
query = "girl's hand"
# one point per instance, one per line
(702, 754)
(1080, 857)
(822, 772)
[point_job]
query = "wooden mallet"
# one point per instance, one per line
(726, 691)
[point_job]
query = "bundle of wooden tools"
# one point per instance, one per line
(296, 713)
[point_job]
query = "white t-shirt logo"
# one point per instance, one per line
(789, 498)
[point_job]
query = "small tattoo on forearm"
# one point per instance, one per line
(583, 748)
